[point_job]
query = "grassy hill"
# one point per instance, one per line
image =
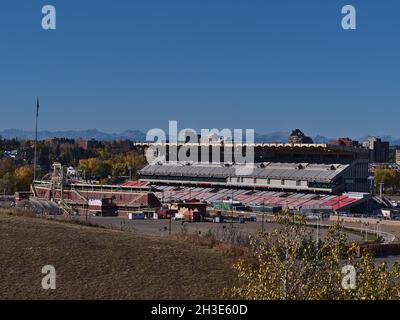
(94, 263)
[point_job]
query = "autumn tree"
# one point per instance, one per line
(23, 178)
(389, 177)
(287, 264)
(115, 165)
(7, 176)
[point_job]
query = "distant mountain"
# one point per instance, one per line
(321, 139)
(274, 137)
(137, 135)
(95, 134)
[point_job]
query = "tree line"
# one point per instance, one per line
(109, 162)
(389, 177)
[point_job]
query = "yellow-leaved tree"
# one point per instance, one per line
(287, 264)
(23, 178)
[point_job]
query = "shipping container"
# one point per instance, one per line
(136, 216)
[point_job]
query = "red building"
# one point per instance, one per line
(103, 207)
(347, 142)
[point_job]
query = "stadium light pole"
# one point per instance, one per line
(36, 138)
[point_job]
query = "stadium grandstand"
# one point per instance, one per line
(298, 176)
(75, 198)
(258, 198)
(302, 167)
(277, 176)
(348, 166)
(293, 175)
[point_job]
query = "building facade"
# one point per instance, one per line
(297, 136)
(379, 150)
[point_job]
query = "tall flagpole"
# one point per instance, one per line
(36, 137)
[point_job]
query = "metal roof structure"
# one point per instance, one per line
(293, 171)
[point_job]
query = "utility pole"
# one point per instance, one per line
(232, 210)
(130, 172)
(36, 138)
(378, 227)
(262, 223)
(170, 223)
(318, 221)
(87, 206)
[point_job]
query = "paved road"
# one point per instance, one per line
(161, 227)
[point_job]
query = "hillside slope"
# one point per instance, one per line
(93, 263)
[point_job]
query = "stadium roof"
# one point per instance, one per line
(293, 171)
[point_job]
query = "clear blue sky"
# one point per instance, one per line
(268, 65)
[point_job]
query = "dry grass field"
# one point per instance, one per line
(94, 263)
